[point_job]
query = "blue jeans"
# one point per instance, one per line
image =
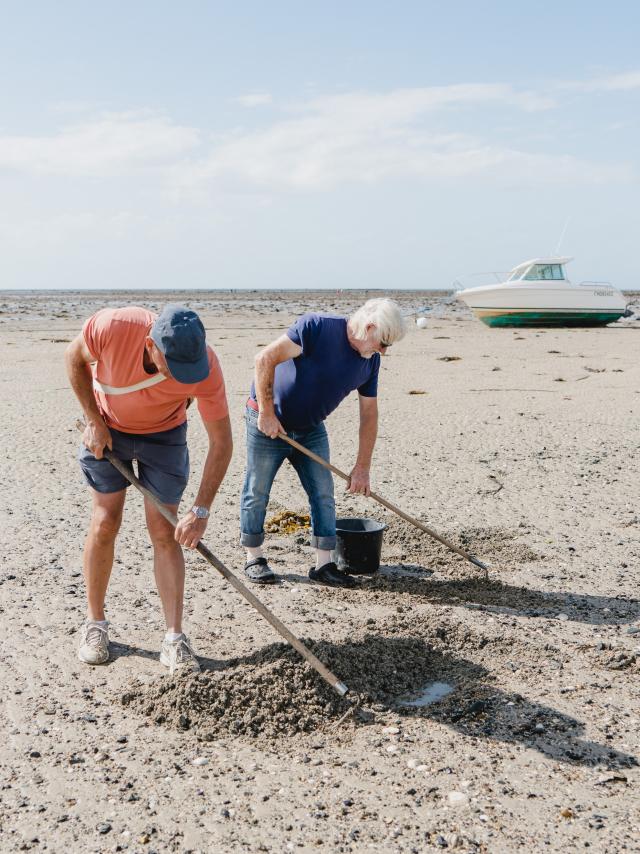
(264, 458)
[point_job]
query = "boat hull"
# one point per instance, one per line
(552, 304)
(535, 317)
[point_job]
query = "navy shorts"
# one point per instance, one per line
(162, 458)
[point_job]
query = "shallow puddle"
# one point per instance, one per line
(431, 693)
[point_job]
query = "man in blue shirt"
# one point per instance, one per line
(300, 379)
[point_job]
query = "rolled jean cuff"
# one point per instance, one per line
(324, 543)
(252, 541)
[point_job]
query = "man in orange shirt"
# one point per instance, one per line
(134, 374)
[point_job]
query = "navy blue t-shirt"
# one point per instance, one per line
(308, 388)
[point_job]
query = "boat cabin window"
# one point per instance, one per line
(543, 272)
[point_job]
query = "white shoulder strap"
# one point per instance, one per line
(109, 389)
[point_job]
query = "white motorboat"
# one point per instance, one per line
(538, 293)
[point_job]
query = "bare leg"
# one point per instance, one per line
(106, 516)
(168, 565)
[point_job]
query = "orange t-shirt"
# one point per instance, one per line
(115, 338)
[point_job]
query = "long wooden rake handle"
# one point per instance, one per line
(474, 560)
(208, 555)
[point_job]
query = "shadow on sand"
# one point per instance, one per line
(499, 597)
(381, 670)
(489, 595)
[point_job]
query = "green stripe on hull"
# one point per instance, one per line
(553, 318)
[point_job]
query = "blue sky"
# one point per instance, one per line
(288, 145)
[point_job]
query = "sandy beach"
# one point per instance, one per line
(518, 444)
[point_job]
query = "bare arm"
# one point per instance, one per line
(77, 359)
(360, 479)
(190, 529)
(273, 354)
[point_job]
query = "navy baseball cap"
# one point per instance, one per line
(179, 333)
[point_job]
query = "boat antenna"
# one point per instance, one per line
(564, 230)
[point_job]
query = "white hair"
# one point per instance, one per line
(384, 314)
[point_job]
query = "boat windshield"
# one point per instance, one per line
(544, 272)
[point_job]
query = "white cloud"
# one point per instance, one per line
(622, 82)
(405, 104)
(366, 138)
(315, 145)
(112, 144)
(259, 99)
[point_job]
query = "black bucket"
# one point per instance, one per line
(358, 546)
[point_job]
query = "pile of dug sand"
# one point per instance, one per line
(275, 693)
(406, 543)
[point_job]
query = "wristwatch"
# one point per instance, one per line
(200, 512)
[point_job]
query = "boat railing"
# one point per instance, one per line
(492, 277)
(589, 284)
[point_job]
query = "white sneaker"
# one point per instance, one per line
(94, 643)
(177, 654)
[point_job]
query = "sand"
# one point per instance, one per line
(519, 445)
